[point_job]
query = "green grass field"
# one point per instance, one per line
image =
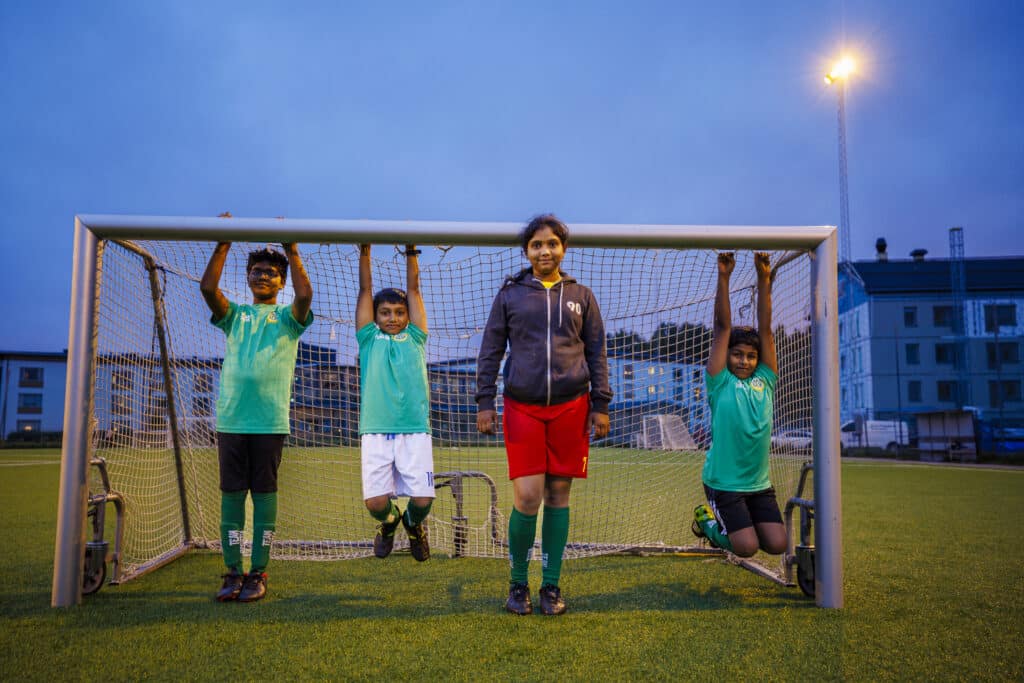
(934, 590)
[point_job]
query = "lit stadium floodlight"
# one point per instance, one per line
(842, 69)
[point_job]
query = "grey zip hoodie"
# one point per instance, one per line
(556, 345)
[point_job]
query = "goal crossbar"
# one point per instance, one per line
(328, 231)
(91, 230)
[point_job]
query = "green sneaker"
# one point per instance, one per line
(384, 541)
(419, 546)
(705, 525)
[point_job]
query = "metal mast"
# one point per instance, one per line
(844, 199)
(958, 288)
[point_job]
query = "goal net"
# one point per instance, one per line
(158, 359)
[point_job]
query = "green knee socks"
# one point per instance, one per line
(388, 514)
(232, 522)
(522, 529)
(414, 514)
(264, 523)
(554, 534)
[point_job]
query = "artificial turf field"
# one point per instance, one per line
(934, 590)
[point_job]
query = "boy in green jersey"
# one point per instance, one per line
(252, 405)
(394, 406)
(741, 374)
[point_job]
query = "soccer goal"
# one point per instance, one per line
(144, 363)
(665, 432)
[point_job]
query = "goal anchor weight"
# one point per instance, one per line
(95, 566)
(802, 555)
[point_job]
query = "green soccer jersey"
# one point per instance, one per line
(393, 396)
(741, 430)
(259, 363)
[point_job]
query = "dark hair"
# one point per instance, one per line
(274, 258)
(545, 220)
(389, 295)
(744, 334)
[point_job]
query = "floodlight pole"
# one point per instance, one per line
(69, 552)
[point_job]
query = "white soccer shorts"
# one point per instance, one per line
(397, 465)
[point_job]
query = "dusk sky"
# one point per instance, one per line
(642, 112)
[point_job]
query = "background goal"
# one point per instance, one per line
(155, 361)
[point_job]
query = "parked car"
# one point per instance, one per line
(791, 439)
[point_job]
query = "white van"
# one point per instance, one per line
(887, 434)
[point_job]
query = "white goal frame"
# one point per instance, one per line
(819, 241)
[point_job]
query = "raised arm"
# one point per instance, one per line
(300, 283)
(723, 315)
(763, 266)
(210, 284)
(364, 302)
(417, 311)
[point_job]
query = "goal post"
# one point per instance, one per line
(136, 321)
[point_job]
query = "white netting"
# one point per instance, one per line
(644, 479)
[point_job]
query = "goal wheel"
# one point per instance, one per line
(805, 570)
(93, 577)
(805, 582)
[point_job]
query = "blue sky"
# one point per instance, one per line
(651, 112)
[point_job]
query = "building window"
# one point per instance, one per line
(948, 391)
(652, 389)
(942, 316)
(121, 380)
(842, 362)
(30, 403)
(202, 406)
(1003, 391)
(627, 371)
(1006, 353)
(910, 316)
(999, 315)
(30, 377)
(914, 391)
(204, 382)
(945, 354)
(29, 425)
(913, 354)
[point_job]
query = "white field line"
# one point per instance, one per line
(29, 463)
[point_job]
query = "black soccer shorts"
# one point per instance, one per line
(249, 462)
(737, 510)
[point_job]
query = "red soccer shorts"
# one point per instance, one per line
(547, 439)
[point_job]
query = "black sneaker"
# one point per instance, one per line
(231, 587)
(551, 602)
(519, 599)
(384, 541)
(254, 587)
(418, 545)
